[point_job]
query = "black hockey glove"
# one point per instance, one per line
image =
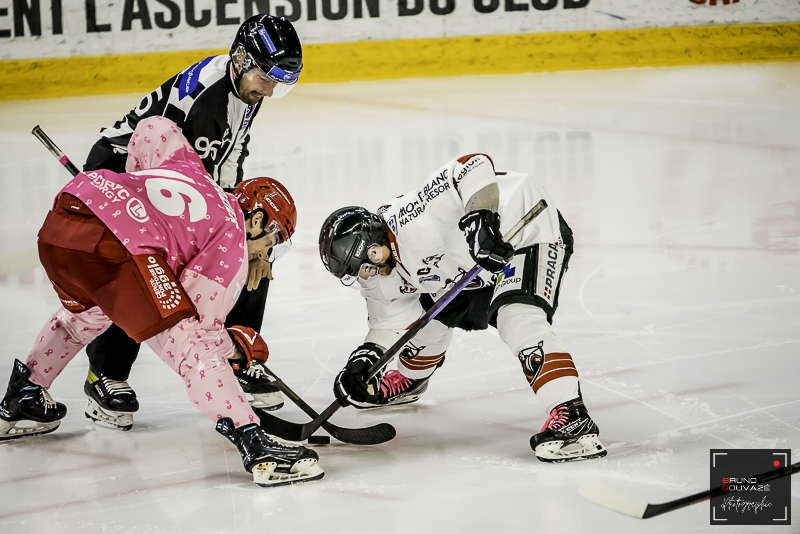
(352, 385)
(486, 245)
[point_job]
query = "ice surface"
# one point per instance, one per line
(681, 309)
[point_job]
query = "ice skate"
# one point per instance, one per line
(271, 461)
(27, 409)
(111, 403)
(568, 434)
(396, 389)
(256, 382)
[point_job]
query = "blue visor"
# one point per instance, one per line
(281, 76)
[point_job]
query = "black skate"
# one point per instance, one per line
(29, 404)
(272, 462)
(568, 434)
(256, 382)
(111, 403)
(396, 389)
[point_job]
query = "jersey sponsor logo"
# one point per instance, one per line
(190, 78)
(407, 287)
(550, 260)
(472, 164)
(136, 210)
(248, 114)
(111, 190)
(414, 208)
(508, 272)
(438, 185)
(510, 279)
(433, 261)
(164, 288)
(383, 209)
(430, 278)
(532, 360)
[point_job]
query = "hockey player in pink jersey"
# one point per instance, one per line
(163, 252)
(407, 255)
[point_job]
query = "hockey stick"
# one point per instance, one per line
(599, 493)
(372, 435)
(310, 427)
(54, 150)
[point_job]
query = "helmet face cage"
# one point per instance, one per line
(345, 239)
(272, 45)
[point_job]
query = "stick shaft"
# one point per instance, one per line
(54, 150)
(658, 509)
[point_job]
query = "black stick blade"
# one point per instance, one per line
(371, 435)
(279, 427)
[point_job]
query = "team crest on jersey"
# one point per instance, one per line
(406, 287)
(476, 283)
(433, 261)
(411, 351)
(429, 278)
(532, 360)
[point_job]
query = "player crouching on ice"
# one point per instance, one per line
(163, 252)
(408, 254)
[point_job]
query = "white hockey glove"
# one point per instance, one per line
(486, 246)
(352, 386)
(250, 346)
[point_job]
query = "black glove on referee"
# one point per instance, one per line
(486, 245)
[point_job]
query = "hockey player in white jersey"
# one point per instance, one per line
(408, 254)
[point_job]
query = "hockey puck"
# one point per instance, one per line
(318, 440)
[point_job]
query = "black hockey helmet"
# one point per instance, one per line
(271, 44)
(345, 238)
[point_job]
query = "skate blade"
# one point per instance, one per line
(396, 402)
(312, 472)
(584, 448)
(267, 401)
(107, 418)
(20, 429)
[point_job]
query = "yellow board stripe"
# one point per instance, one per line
(413, 58)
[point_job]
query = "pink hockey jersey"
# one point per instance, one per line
(167, 204)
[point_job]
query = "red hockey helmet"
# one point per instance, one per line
(271, 196)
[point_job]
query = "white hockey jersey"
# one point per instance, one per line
(431, 251)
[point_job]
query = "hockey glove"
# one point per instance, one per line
(486, 245)
(352, 386)
(249, 346)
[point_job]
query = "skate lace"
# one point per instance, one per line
(559, 417)
(117, 387)
(47, 400)
(256, 371)
(394, 383)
